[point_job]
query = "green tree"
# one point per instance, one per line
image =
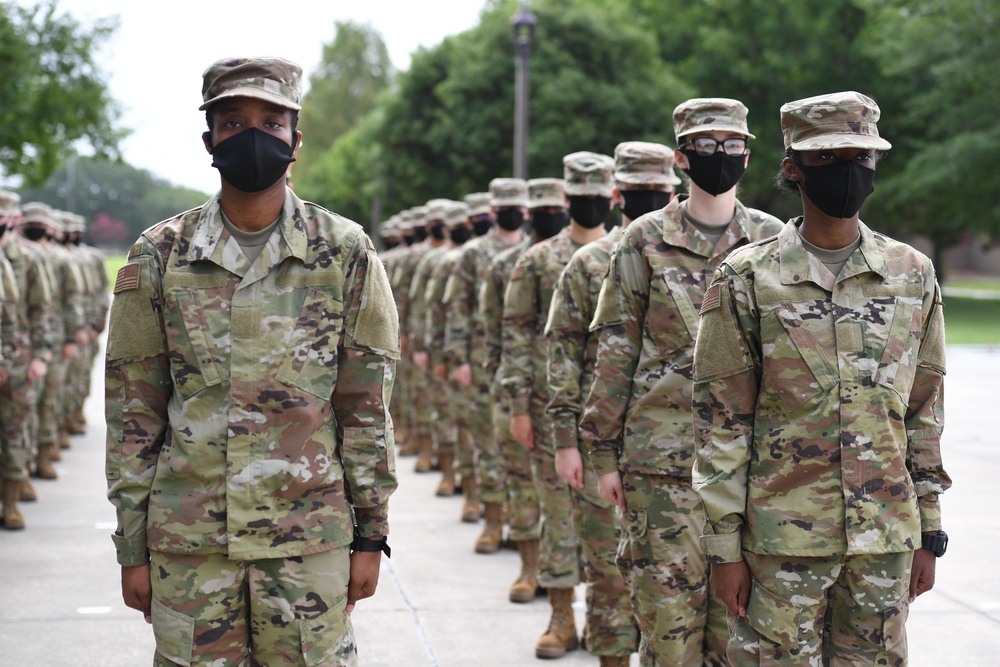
(53, 93)
(355, 69)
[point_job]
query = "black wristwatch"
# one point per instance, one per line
(936, 543)
(365, 544)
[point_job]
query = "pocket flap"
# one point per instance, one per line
(174, 633)
(773, 617)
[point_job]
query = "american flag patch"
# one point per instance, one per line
(128, 278)
(711, 301)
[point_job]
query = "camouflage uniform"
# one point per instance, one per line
(819, 409)
(637, 419)
(248, 432)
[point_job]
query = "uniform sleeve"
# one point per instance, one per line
(522, 324)
(366, 370)
(40, 306)
(73, 298)
(460, 300)
(726, 383)
(618, 324)
(566, 332)
(925, 413)
(435, 315)
(491, 312)
(137, 389)
(401, 277)
(416, 325)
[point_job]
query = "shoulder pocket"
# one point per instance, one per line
(899, 359)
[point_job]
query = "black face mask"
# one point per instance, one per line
(252, 160)
(482, 225)
(547, 224)
(838, 189)
(34, 233)
(640, 202)
(589, 212)
(715, 173)
(420, 234)
(409, 240)
(389, 245)
(437, 231)
(3, 230)
(510, 218)
(460, 235)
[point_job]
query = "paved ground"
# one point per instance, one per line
(440, 604)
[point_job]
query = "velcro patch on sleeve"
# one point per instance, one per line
(128, 278)
(711, 300)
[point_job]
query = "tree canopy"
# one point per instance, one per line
(53, 93)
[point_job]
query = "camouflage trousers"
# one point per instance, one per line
(209, 610)
(864, 599)
(421, 403)
(78, 378)
(17, 409)
(51, 406)
(523, 511)
(559, 549)
(610, 628)
(681, 622)
(443, 423)
(489, 464)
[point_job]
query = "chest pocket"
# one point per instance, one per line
(672, 319)
(795, 367)
(194, 364)
(310, 360)
(898, 362)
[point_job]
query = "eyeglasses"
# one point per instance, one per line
(708, 146)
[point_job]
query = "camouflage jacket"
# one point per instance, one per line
(9, 298)
(67, 315)
(401, 278)
(491, 306)
(417, 322)
(246, 403)
(572, 350)
(436, 314)
(818, 401)
(465, 336)
(102, 291)
(638, 414)
(35, 308)
(525, 309)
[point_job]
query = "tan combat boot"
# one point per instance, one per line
(446, 487)
(561, 635)
(80, 418)
(73, 426)
(614, 660)
(489, 540)
(525, 587)
(425, 453)
(43, 461)
(63, 438)
(404, 438)
(12, 519)
(470, 493)
(28, 493)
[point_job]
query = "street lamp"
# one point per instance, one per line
(523, 23)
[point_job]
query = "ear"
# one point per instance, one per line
(297, 144)
(791, 170)
(681, 160)
(206, 138)
(617, 198)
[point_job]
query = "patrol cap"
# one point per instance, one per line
(404, 219)
(36, 211)
(834, 120)
(419, 214)
(455, 213)
(588, 173)
(73, 222)
(710, 114)
(546, 192)
(644, 163)
(508, 192)
(10, 203)
(479, 203)
(274, 80)
(389, 226)
(436, 209)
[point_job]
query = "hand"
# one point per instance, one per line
(82, 337)
(404, 343)
(441, 372)
(922, 573)
(569, 466)
(421, 360)
(364, 576)
(37, 369)
(520, 428)
(731, 583)
(609, 487)
(4, 376)
(137, 589)
(463, 375)
(69, 351)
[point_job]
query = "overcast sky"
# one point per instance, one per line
(157, 55)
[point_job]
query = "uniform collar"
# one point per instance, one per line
(679, 232)
(799, 265)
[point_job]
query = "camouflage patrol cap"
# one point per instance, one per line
(419, 214)
(588, 173)
(389, 226)
(643, 163)
(36, 211)
(508, 192)
(835, 120)
(10, 203)
(710, 114)
(405, 219)
(455, 213)
(72, 222)
(546, 192)
(479, 203)
(436, 209)
(275, 80)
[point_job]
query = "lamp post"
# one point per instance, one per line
(523, 23)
